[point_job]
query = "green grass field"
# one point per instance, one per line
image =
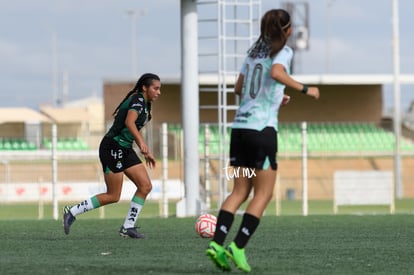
(19, 211)
(316, 244)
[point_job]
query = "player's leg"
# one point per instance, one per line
(240, 193)
(241, 189)
(263, 183)
(111, 156)
(113, 182)
(240, 156)
(263, 189)
(139, 176)
(216, 251)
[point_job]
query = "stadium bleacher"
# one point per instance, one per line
(321, 137)
(325, 137)
(17, 144)
(68, 144)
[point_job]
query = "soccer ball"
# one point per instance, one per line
(206, 225)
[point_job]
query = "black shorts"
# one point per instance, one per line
(116, 158)
(253, 149)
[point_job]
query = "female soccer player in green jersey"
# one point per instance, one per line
(118, 157)
(253, 143)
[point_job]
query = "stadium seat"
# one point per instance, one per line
(24, 145)
(338, 137)
(15, 144)
(321, 137)
(7, 145)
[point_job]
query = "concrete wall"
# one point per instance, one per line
(338, 103)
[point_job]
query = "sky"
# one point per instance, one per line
(46, 43)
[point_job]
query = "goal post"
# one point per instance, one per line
(363, 188)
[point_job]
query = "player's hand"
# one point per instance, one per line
(150, 160)
(285, 100)
(313, 92)
(144, 148)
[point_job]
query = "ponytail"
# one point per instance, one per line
(273, 31)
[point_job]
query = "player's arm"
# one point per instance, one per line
(279, 74)
(239, 84)
(130, 119)
(132, 116)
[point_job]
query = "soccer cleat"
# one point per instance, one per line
(238, 257)
(217, 255)
(68, 219)
(130, 232)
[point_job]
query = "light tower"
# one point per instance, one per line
(299, 40)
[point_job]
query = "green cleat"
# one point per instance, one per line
(218, 255)
(238, 257)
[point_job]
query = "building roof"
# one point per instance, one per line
(84, 102)
(21, 114)
(66, 115)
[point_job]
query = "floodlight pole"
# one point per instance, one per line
(399, 192)
(54, 172)
(54, 71)
(132, 15)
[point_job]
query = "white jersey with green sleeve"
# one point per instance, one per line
(261, 95)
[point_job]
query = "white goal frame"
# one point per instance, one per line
(363, 188)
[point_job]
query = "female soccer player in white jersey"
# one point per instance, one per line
(118, 157)
(261, 84)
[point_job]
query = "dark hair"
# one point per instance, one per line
(273, 30)
(144, 80)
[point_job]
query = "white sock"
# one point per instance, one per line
(82, 207)
(132, 216)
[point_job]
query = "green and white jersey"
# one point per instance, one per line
(118, 131)
(261, 95)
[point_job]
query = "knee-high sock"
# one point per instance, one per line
(224, 221)
(85, 206)
(246, 230)
(135, 208)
